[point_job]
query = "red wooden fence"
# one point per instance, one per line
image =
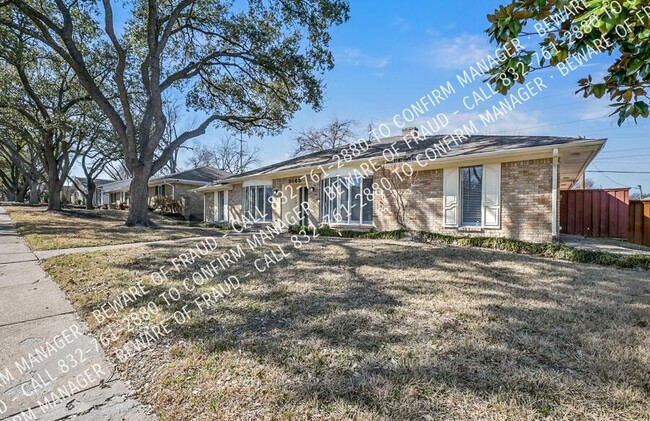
(595, 213)
(639, 226)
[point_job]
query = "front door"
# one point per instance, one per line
(303, 200)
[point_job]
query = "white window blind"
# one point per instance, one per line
(471, 187)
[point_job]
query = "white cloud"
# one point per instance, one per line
(401, 24)
(356, 57)
(458, 52)
(594, 108)
(512, 124)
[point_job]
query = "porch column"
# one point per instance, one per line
(554, 208)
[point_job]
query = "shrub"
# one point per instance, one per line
(327, 231)
(166, 204)
(554, 250)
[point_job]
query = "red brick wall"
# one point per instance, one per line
(235, 208)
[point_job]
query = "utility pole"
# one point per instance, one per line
(241, 152)
(640, 191)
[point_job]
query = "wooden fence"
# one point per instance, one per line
(639, 222)
(595, 213)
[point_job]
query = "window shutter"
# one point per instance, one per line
(215, 207)
(492, 195)
(450, 197)
(225, 206)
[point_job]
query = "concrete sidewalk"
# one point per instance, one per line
(50, 367)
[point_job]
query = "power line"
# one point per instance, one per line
(622, 157)
(608, 177)
(626, 150)
(621, 172)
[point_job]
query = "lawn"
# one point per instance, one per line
(45, 230)
(381, 329)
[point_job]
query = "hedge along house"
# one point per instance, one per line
(179, 187)
(496, 186)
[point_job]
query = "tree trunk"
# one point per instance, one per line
(90, 198)
(20, 197)
(138, 200)
(33, 192)
(53, 198)
(54, 187)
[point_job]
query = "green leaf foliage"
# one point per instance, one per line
(565, 29)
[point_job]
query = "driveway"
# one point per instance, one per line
(609, 245)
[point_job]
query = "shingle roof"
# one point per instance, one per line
(116, 185)
(475, 144)
(206, 174)
(202, 175)
(98, 181)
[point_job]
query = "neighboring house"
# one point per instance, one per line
(178, 187)
(498, 186)
(98, 198)
(67, 193)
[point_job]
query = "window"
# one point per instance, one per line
(471, 190)
(160, 190)
(346, 200)
(257, 203)
(221, 202)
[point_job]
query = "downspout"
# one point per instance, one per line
(554, 208)
(173, 189)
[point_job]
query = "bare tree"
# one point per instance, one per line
(171, 133)
(335, 134)
(402, 183)
(117, 170)
(228, 155)
(202, 156)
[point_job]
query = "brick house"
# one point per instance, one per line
(79, 192)
(179, 187)
(496, 186)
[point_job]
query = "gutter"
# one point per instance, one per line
(330, 166)
(512, 152)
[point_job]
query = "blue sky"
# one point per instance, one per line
(389, 55)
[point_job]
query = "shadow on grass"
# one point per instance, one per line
(408, 330)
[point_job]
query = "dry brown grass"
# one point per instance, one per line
(372, 329)
(45, 230)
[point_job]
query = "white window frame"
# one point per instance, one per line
(461, 207)
(159, 190)
(328, 216)
(452, 212)
(257, 216)
(216, 208)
